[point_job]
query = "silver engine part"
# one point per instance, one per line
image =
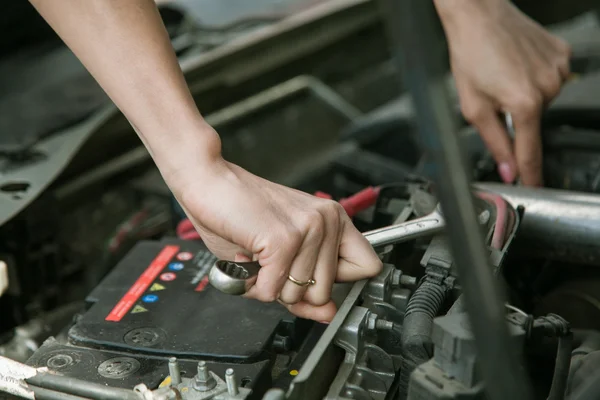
(560, 224)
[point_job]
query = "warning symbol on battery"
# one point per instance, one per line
(138, 309)
(156, 287)
(168, 277)
(185, 256)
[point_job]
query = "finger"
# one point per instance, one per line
(498, 142)
(302, 270)
(303, 265)
(323, 314)
(239, 257)
(550, 82)
(528, 143)
(564, 58)
(275, 262)
(480, 111)
(358, 260)
(327, 261)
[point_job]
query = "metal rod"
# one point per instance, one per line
(232, 386)
(79, 387)
(418, 50)
(174, 371)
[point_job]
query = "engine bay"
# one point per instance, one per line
(107, 291)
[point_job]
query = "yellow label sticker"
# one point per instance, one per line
(156, 287)
(138, 309)
(165, 383)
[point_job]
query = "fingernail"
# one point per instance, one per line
(324, 322)
(506, 173)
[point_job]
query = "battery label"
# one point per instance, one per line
(202, 285)
(142, 283)
(204, 262)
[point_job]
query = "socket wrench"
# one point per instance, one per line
(236, 278)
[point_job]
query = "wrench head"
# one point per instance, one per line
(233, 278)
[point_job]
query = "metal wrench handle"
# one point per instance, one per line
(237, 277)
(409, 230)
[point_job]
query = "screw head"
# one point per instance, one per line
(484, 217)
(372, 321)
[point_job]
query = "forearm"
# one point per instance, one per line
(126, 48)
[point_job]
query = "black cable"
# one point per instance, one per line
(417, 347)
(562, 367)
(47, 394)
(80, 387)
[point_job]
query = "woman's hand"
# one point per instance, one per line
(504, 62)
(126, 48)
(240, 216)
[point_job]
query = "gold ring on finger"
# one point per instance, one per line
(310, 282)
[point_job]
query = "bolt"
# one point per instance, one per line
(232, 386)
(174, 371)
(408, 280)
(371, 321)
(484, 217)
(374, 322)
(203, 381)
(396, 277)
(384, 325)
(203, 371)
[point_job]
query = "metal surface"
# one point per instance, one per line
(409, 230)
(559, 224)
(233, 278)
(419, 52)
(236, 278)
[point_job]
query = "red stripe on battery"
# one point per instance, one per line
(202, 285)
(142, 283)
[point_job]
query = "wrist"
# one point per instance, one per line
(195, 146)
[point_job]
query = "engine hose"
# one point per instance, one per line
(78, 387)
(47, 394)
(417, 347)
(562, 367)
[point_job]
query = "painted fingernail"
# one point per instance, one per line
(506, 173)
